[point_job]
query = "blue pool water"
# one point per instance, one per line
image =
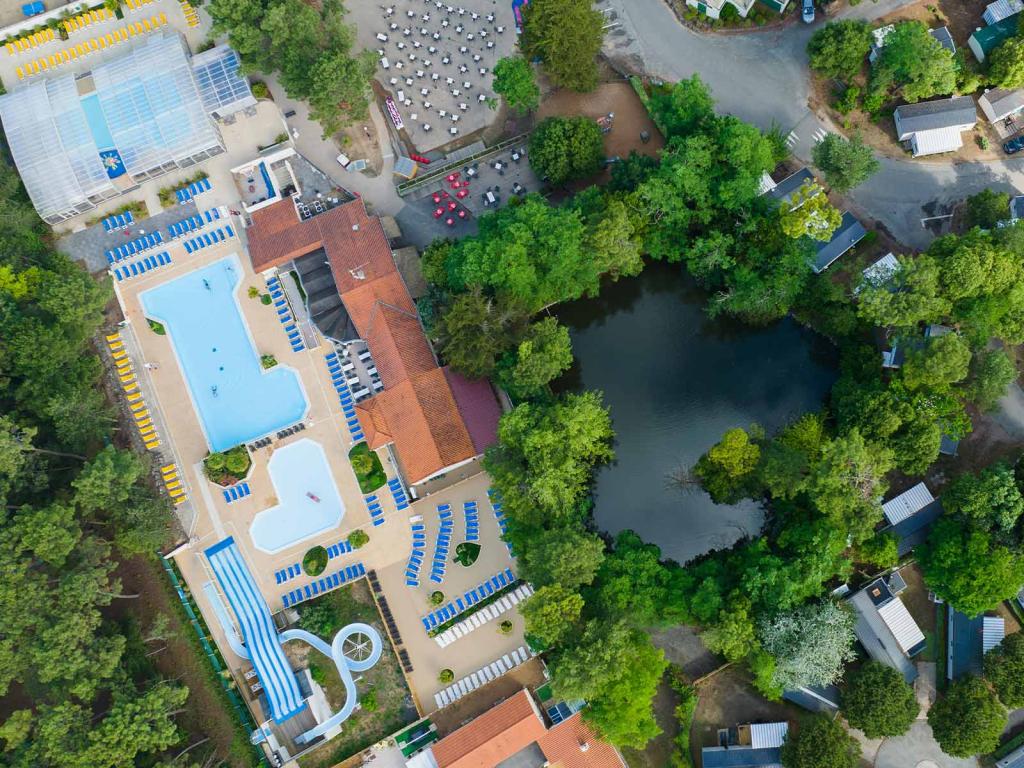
(297, 470)
(236, 399)
(97, 122)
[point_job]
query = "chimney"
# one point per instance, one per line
(355, 227)
(584, 746)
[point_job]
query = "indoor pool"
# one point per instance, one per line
(308, 501)
(236, 399)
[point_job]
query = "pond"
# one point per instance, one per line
(675, 381)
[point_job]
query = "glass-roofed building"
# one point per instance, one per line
(80, 139)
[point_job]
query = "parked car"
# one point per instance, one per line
(808, 11)
(1014, 145)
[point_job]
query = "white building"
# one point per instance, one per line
(933, 127)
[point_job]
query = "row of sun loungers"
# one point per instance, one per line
(482, 676)
(444, 540)
(348, 408)
(191, 15)
(87, 19)
(285, 574)
(28, 42)
(136, 5)
(325, 584)
(218, 235)
(376, 513)
(130, 385)
(192, 223)
(236, 492)
(339, 549)
(133, 247)
(472, 520)
(419, 544)
(118, 221)
(88, 47)
(398, 493)
(284, 314)
(172, 482)
(195, 188)
(289, 431)
(487, 613)
(470, 598)
(494, 497)
(142, 266)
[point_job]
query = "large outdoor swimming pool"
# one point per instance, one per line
(236, 399)
(308, 501)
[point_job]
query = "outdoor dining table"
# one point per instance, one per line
(438, 213)
(490, 197)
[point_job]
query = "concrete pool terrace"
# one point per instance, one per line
(166, 392)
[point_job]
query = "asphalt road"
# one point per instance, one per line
(762, 77)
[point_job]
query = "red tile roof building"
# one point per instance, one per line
(514, 725)
(434, 418)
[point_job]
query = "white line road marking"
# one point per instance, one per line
(933, 218)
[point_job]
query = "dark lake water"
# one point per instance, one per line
(675, 381)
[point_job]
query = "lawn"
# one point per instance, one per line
(366, 464)
(383, 684)
(467, 552)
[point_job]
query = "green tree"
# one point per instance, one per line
(845, 163)
(810, 644)
(551, 613)
(543, 354)
(632, 583)
(734, 634)
(685, 108)
(614, 242)
(881, 550)
(992, 373)
(107, 480)
(912, 65)
(546, 454)
(821, 742)
(476, 330)
(616, 670)
(566, 36)
(567, 557)
(877, 700)
(564, 149)
(727, 469)
(989, 500)
(1006, 64)
(1004, 669)
(987, 208)
(810, 214)
(943, 360)
(847, 482)
(839, 48)
(968, 720)
(514, 81)
(339, 89)
(966, 568)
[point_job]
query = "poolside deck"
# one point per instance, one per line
(390, 542)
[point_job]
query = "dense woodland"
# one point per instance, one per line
(76, 687)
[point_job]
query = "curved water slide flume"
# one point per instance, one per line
(345, 665)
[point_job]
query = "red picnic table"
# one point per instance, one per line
(462, 193)
(438, 213)
(450, 221)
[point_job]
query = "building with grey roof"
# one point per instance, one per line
(932, 127)
(1013, 760)
(1016, 208)
(886, 629)
(909, 516)
(849, 233)
(1002, 9)
(998, 103)
(757, 745)
(785, 189)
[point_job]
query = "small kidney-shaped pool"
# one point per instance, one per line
(308, 502)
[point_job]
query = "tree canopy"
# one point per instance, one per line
(1006, 63)
(821, 742)
(810, 214)
(912, 65)
(877, 700)
(566, 36)
(968, 719)
(810, 644)
(1004, 669)
(514, 81)
(565, 149)
(845, 163)
(839, 48)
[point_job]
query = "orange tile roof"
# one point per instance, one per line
(496, 735)
(417, 411)
(571, 744)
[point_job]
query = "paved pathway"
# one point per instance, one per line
(762, 77)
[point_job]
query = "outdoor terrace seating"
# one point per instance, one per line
(335, 368)
(141, 266)
(195, 188)
(192, 223)
(482, 676)
(288, 573)
(130, 386)
(419, 543)
(236, 492)
(376, 513)
(443, 544)
(470, 598)
(469, 511)
(323, 585)
(398, 493)
(494, 497)
(218, 235)
(118, 221)
(134, 247)
(488, 613)
(339, 549)
(172, 482)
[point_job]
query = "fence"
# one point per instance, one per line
(440, 172)
(241, 711)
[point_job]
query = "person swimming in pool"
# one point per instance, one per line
(206, 284)
(213, 389)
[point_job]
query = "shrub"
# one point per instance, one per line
(358, 539)
(467, 552)
(848, 101)
(563, 149)
(446, 676)
(228, 467)
(505, 627)
(268, 361)
(362, 464)
(370, 475)
(216, 461)
(260, 90)
(318, 618)
(436, 597)
(317, 673)
(265, 299)
(368, 700)
(314, 562)
(253, 291)
(237, 462)
(157, 328)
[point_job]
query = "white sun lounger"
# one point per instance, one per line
(474, 681)
(515, 655)
(477, 621)
(495, 669)
(439, 700)
(508, 661)
(486, 672)
(463, 687)
(514, 597)
(506, 603)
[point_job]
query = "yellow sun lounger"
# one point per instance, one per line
(140, 423)
(21, 75)
(170, 477)
(138, 407)
(42, 64)
(148, 433)
(126, 377)
(175, 486)
(111, 39)
(163, 17)
(10, 49)
(140, 28)
(148, 25)
(114, 337)
(168, 467)
(134, 397)
(131, 387)
(178, 493)
(153, 445)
